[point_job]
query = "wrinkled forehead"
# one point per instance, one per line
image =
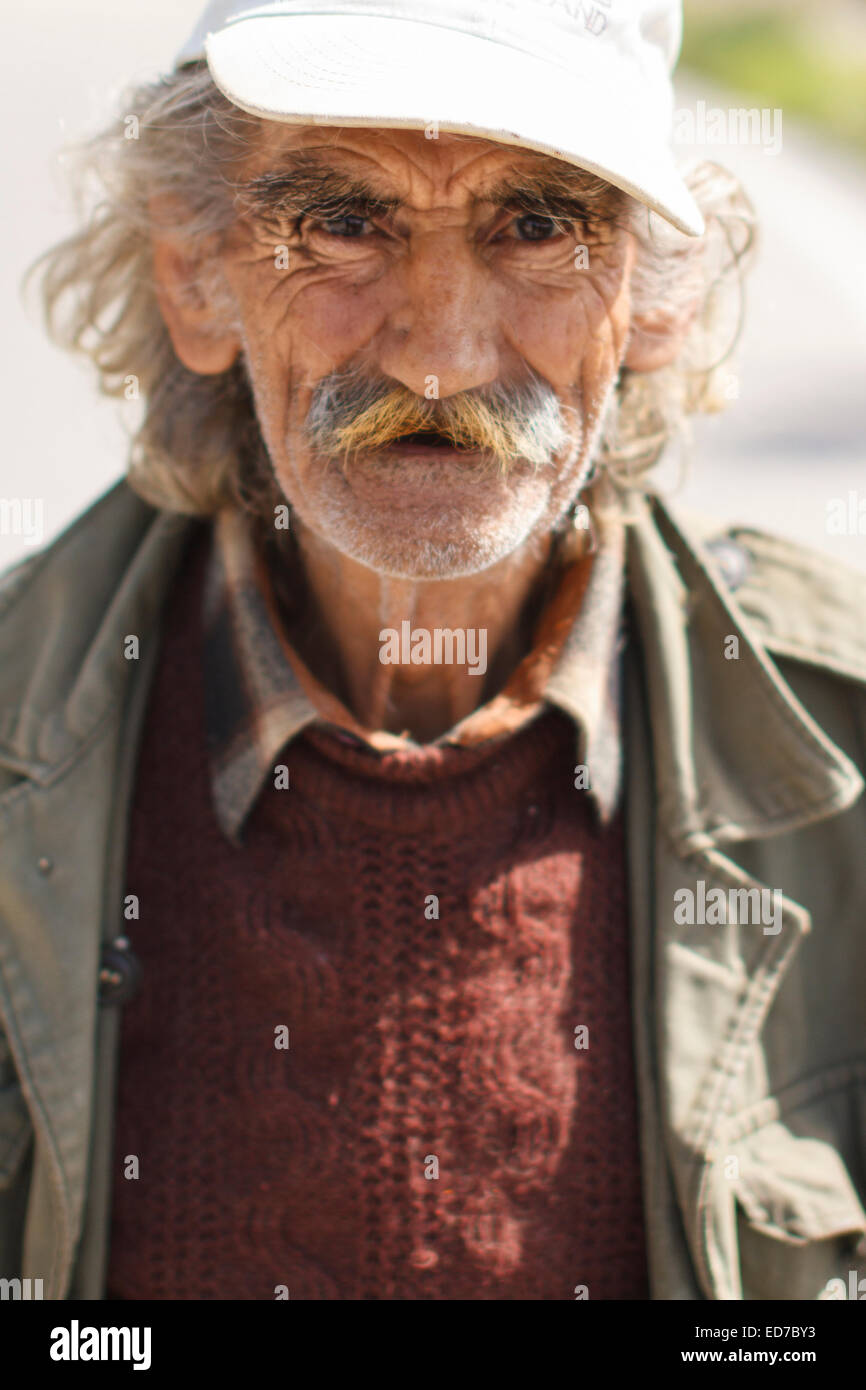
(392, 160)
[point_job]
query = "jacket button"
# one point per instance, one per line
(119, 972)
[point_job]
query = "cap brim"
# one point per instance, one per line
(339, 70)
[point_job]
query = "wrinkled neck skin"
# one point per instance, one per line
(349, 607)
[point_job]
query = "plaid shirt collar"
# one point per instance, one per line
(259, 694)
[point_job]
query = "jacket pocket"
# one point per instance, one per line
(798, 1179)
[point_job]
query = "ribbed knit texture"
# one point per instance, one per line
(416, 1044)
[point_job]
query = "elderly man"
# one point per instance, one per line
(429, 869)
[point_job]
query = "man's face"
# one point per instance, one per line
(380, 258)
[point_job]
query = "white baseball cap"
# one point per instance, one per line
(586, 81)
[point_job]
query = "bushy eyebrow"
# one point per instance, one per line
(312, 188)
(307, 186)
(571, 194)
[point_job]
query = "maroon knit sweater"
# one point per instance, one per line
(419, 1044)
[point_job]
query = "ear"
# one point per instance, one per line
(656, 338)
(187, 304)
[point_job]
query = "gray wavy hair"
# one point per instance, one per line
(198, 444)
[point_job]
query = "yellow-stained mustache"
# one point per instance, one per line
(509, 426)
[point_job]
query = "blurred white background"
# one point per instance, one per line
(792, 442)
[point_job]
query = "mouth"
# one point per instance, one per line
(428, 443)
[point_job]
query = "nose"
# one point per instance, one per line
(442, 337)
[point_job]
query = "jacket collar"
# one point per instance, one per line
(65, 617)
(737, 756)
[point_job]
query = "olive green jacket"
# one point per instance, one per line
(745, 730)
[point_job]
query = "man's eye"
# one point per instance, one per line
(532, 227)
(350, 226)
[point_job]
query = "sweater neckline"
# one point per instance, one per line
(331, 769)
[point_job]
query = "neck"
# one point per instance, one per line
(359, 631)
